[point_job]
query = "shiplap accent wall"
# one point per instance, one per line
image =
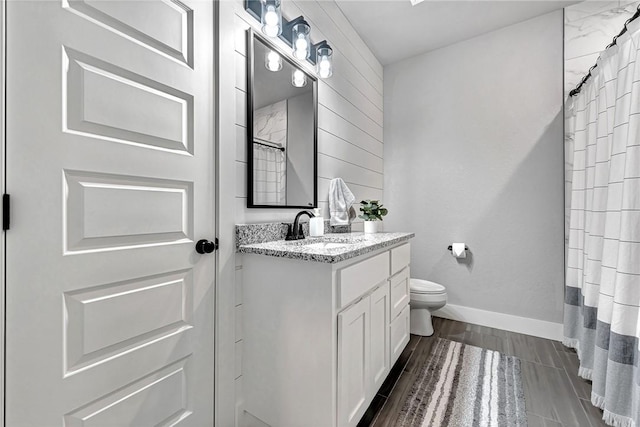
(349, 110)
(350, 116)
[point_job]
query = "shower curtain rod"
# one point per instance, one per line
(269, 144)
(613, 43)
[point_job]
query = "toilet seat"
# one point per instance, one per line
(419, 286)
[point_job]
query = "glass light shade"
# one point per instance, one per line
(273, 61)
(271, 18)
(324, 61)
(298, 78)
(300, 40)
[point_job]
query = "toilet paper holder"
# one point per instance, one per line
(466, 248)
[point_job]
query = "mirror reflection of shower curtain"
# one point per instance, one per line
(269, 176)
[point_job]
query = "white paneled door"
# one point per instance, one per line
(110, 155)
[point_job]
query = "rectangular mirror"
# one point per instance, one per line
(281, 129)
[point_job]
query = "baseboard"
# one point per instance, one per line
(507, 322)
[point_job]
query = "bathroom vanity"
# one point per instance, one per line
(324, 320)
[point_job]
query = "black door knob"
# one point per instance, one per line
(205, 246)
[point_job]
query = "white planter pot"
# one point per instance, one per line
(371, 226)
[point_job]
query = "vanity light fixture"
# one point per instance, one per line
(271, 17)
(298, 78)
(300, 41)
(295, 33)
(324, 60)
(273, 61)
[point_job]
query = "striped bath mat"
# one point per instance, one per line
(462, 385)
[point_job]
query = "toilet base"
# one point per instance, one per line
(421, 322)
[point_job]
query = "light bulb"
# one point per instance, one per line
(301, 44)
(271, 17)
(299, 79)
(271, 30)
(325, 68)
(272, 56)
(273, 66)
(273, 62)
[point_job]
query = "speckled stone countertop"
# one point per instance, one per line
(330, 248)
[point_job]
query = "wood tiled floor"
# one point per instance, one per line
(555, 396)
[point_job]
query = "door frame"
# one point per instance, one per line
(225, 393)
(3, 186)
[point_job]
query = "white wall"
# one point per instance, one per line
(350, 118)
(473, 153)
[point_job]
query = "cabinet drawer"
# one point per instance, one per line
(357, 279)
(400, 257)
(399, 334)
(399, 292)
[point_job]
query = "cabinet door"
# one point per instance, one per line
(400, 292)
(353, 362)
(379, 336)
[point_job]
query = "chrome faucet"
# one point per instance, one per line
(294, 232)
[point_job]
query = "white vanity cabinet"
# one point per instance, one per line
(320, 338)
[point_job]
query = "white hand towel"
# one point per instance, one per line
(340, 200)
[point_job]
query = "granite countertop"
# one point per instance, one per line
(330, 248)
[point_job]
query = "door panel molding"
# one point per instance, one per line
(104, 101)
(92, 335)
(138, 26)
(128, 403)
(157, 212)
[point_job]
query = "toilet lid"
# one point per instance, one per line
(420, 286)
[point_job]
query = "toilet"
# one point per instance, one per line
(425, 297)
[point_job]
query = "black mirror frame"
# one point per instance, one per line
(251, 35)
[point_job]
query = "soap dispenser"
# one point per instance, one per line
(316, 224)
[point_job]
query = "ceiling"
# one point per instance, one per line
(394, 30)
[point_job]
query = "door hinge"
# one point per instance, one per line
(6, 212)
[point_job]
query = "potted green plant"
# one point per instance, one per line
(372, 211)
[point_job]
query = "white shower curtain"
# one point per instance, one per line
(602, 295)
(269, 176)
